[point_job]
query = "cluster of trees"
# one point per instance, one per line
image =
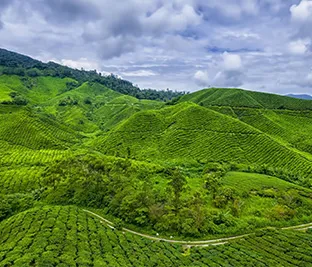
(128, 190)
(16, 64)
(125, 190)
(68, 101)
(15, 203)
(17, 99)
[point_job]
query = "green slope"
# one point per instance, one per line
(246, 182)
(25, 128)
(188, 132)
(244, 98)
(292, 127)
(86, 108)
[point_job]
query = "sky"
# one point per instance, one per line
(183, 45)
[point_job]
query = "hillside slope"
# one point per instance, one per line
(12, 63)
(214, 163)
(192, 133)
(21, 126)
(244, 98)
(85, 107)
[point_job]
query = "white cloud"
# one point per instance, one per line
(139, 73)
(182, 41)
(304, 81)
(302, 12)
(202, 78)
(167, 18)
(228, 79)
(299, 47)
(309, 78)
(231, 62)
(229, 74)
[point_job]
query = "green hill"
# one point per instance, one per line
(210, 164)
(67, 236)
(192, 133)
(12, 63)
(244, 98)
(23, 127)
(86, 107)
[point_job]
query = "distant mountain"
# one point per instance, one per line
(305, 97)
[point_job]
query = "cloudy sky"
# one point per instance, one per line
(263, 45)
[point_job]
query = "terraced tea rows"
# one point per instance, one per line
(170, 134)
(20, 180)
(25, 129)
(67, 236)
(283, 248)
(171, 168)
(289, 126)
(243, 98)
(17, 157)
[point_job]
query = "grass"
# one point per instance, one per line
(44, 88)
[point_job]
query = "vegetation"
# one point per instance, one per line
(26, 67)
(67, 236)
(215, 163)
(169, 133)
(244, 98)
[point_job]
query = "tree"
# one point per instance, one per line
(213, 181)
(177, 182)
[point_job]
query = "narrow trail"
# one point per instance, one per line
(200, 243)
(299, 227)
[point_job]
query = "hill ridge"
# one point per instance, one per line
(235, 97)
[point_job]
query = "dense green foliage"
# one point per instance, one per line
(16, 64)
(211, 164)
(168, 200)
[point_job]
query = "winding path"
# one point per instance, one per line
(200, 243)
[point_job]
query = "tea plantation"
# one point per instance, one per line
(217, 163)
(68, 236)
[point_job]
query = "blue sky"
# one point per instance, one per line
(262, 45)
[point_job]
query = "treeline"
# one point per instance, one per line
(16, 64)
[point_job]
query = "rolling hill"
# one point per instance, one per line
(210, 164)
(191, 132)
(244, 98)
